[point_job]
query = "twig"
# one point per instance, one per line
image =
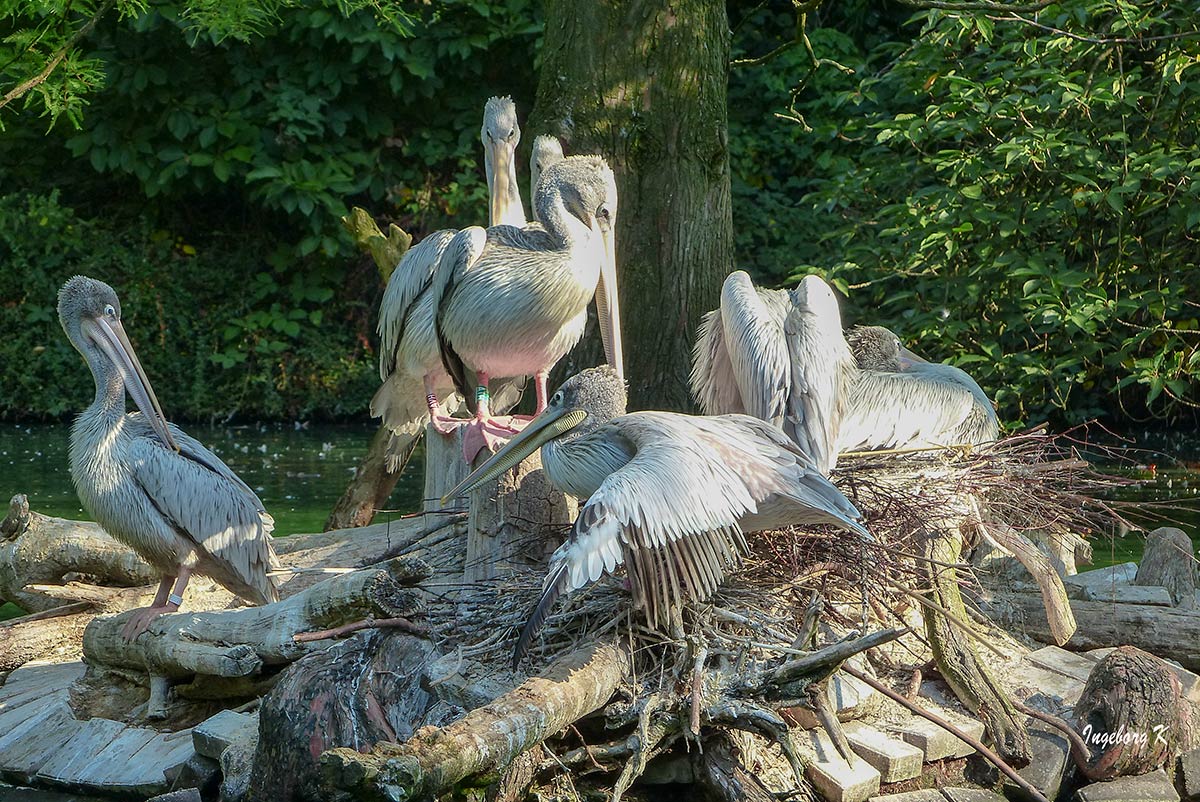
(952, 618)
(988, 754)
(1079, 749)
(57, 58)
(402, 624)
(55, 612)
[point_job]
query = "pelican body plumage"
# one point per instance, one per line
(511, 302)
(148, 483)
(668, 496)
(779, 356)
(898, 400)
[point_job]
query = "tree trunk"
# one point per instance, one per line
(644, 84)
(1168, 562)
(370, 488)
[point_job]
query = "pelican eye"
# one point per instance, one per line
(557, 399)
(110, 311)
(604, 213)
(512, 132)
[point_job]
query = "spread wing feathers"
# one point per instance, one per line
(898, 410)
(202, 499)
(412, 277)
(713, 385)
(753, 329)
(461, 254)
(821, 364)
(981, 425)
(672, 514)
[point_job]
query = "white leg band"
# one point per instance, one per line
(175, 600)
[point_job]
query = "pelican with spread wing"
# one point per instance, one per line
(149, 485)
(668, 496)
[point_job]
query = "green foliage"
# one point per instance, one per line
(1018, 201)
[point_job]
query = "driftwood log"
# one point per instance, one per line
(1168, 562)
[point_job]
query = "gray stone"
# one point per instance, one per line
(1189, 774)
(1130, 594)
(893, 758)
(1051, 755)
(1152, 787)
(237, 763)
(971, 795)
(1060, 661)
(834, 778)
(849, 696)
(1048, 690)
(935, 742)
(923, 795)
(182, 795)
(195, 772)
(1109, 576)
(213, 736)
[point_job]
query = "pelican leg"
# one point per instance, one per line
(487, 431)
(443, 424)
(539, 383)
(166, 600)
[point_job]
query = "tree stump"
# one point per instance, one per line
(355, 694)
(369, 490)
(1168, 562)
(1132, 715)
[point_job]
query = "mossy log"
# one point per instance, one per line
(954, 650)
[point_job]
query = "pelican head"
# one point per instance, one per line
(583, 403)
(500, 135)
(547, 150)
(577, 196)
(90, 314)
(878, 348)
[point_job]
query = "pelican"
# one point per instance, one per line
(668, 495)
(512, 302)
(149, 485)
(413, 379)
(779, 356)
(899, 400)
(547, 150)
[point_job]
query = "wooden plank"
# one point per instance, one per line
(42, 674)
(29, 706)
(64, 766)
(105, 771)
(26, 747)
(144, 774)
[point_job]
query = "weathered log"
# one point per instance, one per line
(486, 739)
(235, 643)
(1168, 562)
(1132, 715)
(40, 549)
(954, 651)
(39, 636)
(354, 694)
(371, 487)
(1168, 632)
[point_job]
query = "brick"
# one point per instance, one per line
(893, 758)
(831, 775)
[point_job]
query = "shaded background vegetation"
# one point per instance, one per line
(1011, 193)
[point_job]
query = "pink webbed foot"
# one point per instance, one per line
(490, 433)
(140, 620)
(446, 425)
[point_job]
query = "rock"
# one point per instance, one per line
(827, 770)
(1051, 757)
(212, 736)
(850, 697)
(182, 795)
(1122, 574)
(971, 795)
(1152, 787)
(1060, 661)
(894, 759)
(1049, 691)
(237, 763)
(933, 741)
(1168, 562)
(923, 795)
(197, 772)
(1129, 594)
(1189, 775)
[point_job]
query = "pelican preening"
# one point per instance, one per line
(668, 495)
(147, 483)
(899, 400)
(416, 388)
(512, 302)
(547, 150)
(778, 356)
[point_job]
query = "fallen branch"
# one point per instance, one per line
(402, 624)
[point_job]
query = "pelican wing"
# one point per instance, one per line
(412, 277)
(754, 337)
(461, 254)
(820, 364)
(203, 500)
(713, 384)
(914, 408)
(674, 513)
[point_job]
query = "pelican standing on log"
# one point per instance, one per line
(898, 400)
(512, 302)
(779, 356)
(668, 495)
(149, 485)
(415, 384)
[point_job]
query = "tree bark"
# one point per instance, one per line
(644, 84)
(370, 488)
(1167, 562)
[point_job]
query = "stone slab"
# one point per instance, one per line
(971, 795)
(849, 696)
(1060, 661)
(933, 741)
(1049, 691)
(213, 736)
(923, 795)
(1122, 574)
(1152, 787)
(26, 747)
(835, 779)
(1129, 594)
(892, 757)
(1051, 757)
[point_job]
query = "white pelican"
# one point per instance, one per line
(898, 400)
(668, 495)
(779, 356)
(511, 302)
(415, 385)
(149, 485)
(547, 150)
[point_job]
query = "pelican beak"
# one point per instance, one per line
(608, 306)
(542, 429)
(500, 162)
(111, 337)
(908, 358)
